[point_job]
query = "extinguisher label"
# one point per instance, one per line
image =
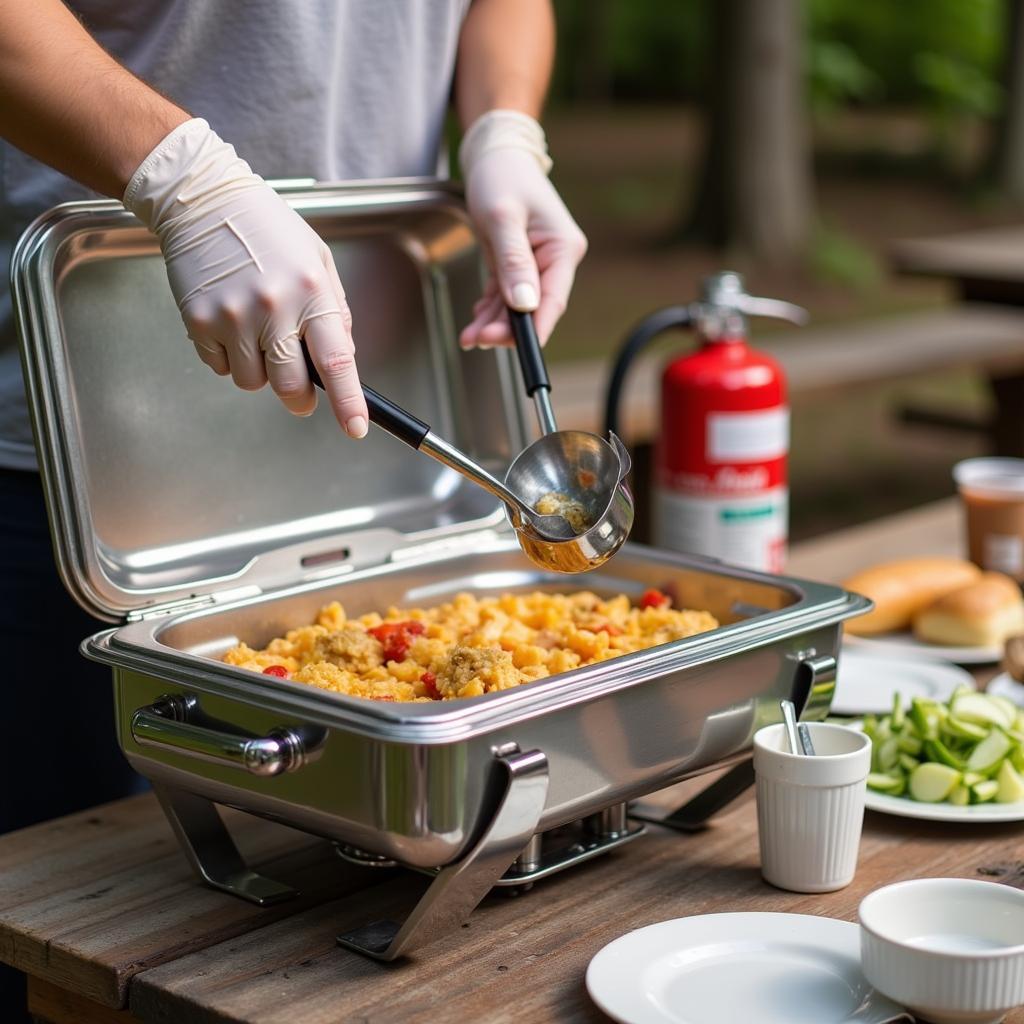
(745, 531)
(747, 436)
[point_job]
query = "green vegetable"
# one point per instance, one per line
(989, 753)
(897, 717)
(961, 796)
(970, 750)
(886, 784)
(982, 792)
(931, 783)
(964, 730)
(888, 754)
(936, 750)
(1011, 785)
(982, 710)
(910, 745)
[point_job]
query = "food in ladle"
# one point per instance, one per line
(554, 503)
(468, 646)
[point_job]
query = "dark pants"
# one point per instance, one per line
(59, 736)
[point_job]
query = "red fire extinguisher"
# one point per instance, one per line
(720, 486)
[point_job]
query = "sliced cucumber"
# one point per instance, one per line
(925, 717)
(973, 778)
(964, 730)
(1009, 708)
(983, 792)
(889, 754)
(936, 750)
(886, 784)
(982, 710)
(1010, 784)
(897, 718)
(931, 783)
(989, 752)
(909, 745)
(960, 797)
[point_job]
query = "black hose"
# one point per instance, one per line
(636, 341)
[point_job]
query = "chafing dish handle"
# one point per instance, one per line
(165, 724)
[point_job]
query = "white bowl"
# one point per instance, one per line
(949, 949)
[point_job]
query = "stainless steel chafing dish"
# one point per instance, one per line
(194, 515)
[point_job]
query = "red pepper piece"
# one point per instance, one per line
(396, 637)
(429, 681)
(391, 699)
(276, 670)
(654, 599)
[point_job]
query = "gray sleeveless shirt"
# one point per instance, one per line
(327, 89)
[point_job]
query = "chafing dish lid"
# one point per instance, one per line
(166, 483)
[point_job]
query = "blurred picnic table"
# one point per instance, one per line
(984, 267)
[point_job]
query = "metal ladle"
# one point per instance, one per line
(414, 432)
(583, 467)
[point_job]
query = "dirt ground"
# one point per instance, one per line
(627, 174)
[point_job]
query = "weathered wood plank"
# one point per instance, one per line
(990, 254)
(90, 900)
(54, 1005)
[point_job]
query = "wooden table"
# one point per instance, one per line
(984, 267)
(100, 909)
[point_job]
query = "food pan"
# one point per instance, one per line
(181, 512)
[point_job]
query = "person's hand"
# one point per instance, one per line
(531, 243)
(251, 278)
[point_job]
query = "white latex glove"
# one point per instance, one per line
(530, 240)
(250, 276)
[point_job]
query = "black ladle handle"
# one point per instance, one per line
(531, 358)
(388, 416)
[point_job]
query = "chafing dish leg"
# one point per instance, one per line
(212, 852)
(695, 814)
(459, 887)
(610, 823)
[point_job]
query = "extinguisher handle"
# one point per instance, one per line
(636, 341)
(531, 357)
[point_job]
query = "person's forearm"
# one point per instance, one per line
(69, 104)
(506, 50)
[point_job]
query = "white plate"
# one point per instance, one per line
(906, 645)
(904, 807)
(1005, 685)
(869, 679)
(738, 969)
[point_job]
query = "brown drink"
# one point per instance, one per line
(993, 495)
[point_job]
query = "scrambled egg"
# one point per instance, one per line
(468, 646)
(554, 503)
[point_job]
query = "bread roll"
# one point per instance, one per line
(901, 589)
(982, 614)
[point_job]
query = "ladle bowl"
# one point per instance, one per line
(587, 470)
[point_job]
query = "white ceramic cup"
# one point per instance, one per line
(810, 809)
